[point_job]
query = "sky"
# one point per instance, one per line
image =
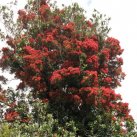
(123, 22)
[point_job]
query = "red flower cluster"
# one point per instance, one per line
(34, 58)
(11, 116)
(89, 23)
(25, 17)
(90, 78)
(70, 26)
(57, 55)
(93, 61)
(58, 75)
(90, 45)
(49, 38)
(114, 46)
(106, 53)
(43, 9)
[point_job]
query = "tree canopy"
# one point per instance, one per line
(71, 68)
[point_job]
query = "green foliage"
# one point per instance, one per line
(42, 124)
(56, 121)
(7, 131)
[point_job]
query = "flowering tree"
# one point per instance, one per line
(71, 67)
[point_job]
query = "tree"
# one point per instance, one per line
(71, 67)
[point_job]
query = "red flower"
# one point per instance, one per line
(90, 45)
(120, 61)
(84, 90)
(21, 12)
(114, 118)
(74, 71)
(69, 26)
(57, 18)
(56, 77)
(107, 80)
(25, 120)
(114, 46)
(31, 16)
(112, 41)
(89, 24)
(5, 49)
(49, 38)
(67, 44)
(43, 9)
(90, 78)
(77, 99)
(11, 116)
(93, 60)
(45, 100)
(104, 70)
(36, 78)
(31, 40)
(106, 53)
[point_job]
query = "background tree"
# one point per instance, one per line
(71, 67)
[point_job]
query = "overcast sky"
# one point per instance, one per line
(123, 22)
